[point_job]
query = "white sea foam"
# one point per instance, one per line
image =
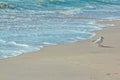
(17, 44)
(89, 6)
(57, 0)
(2, 41)
(47, 43)
(9, 53)
(70, 12)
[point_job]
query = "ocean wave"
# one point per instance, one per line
(70, 12)
(49, 0)
(2, 41)
(47, 43)
(9, 53)
(17, 44)
(111, 2)
(13, 43)
(56, 4)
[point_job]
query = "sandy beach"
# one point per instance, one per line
(81, 60)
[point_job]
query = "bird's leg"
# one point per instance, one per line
(99, 45)
(102, 46)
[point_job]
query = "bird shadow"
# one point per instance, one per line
(104, 46)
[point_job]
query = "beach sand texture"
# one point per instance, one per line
(82, 60)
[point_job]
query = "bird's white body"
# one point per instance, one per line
(99, 41)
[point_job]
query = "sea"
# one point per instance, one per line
(29, 25)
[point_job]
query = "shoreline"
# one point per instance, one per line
(73, 61)
(70, 42)
(50, 44)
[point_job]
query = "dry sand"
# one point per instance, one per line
(76, 61)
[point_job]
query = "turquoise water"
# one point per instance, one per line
(29, 25)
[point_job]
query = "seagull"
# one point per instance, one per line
(99, 41)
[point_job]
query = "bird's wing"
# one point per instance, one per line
(96, 41)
